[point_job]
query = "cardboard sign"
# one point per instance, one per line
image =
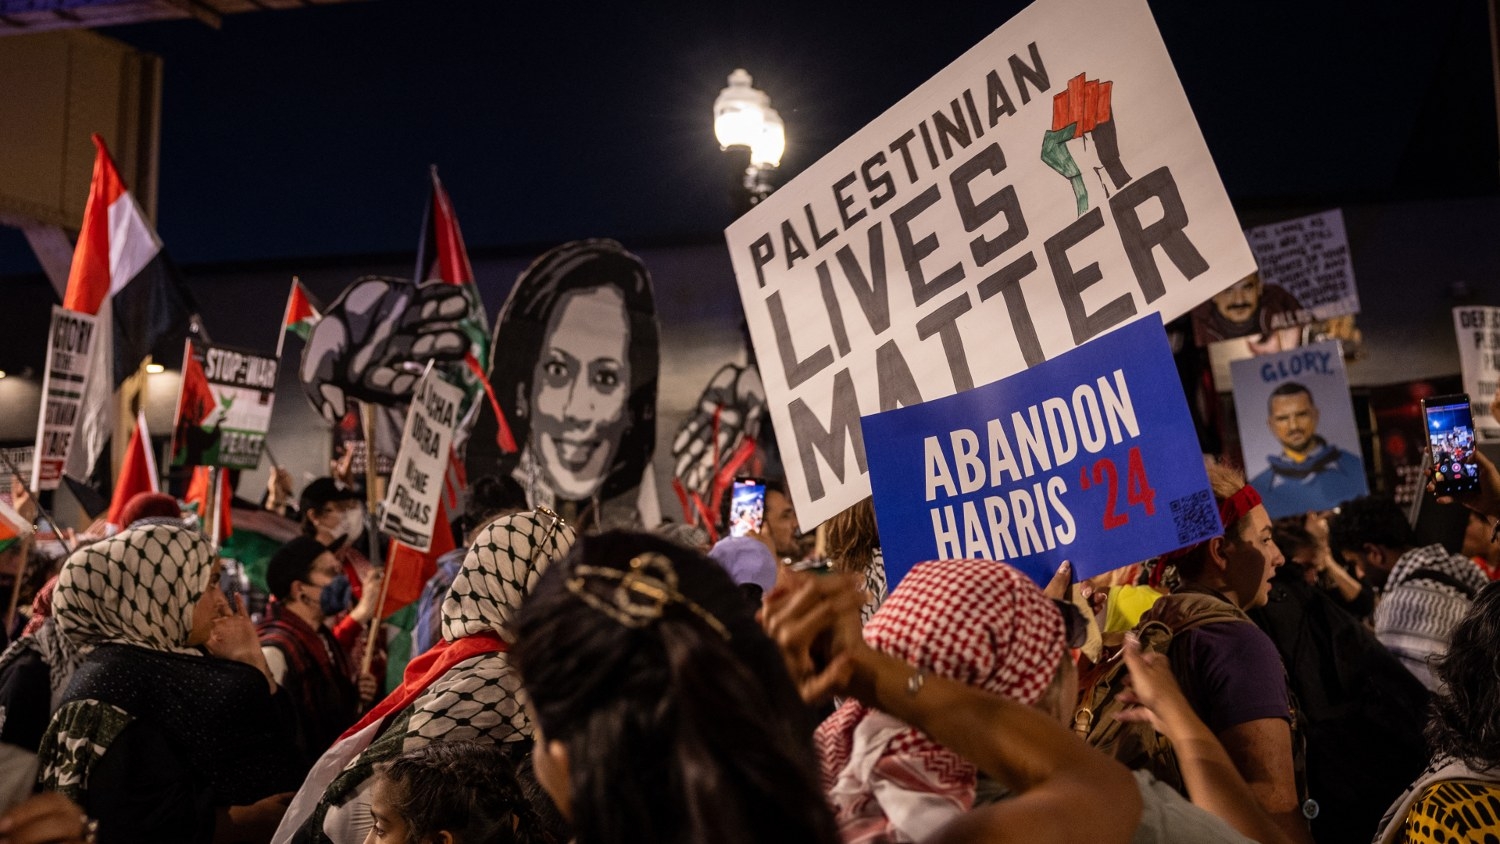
(22, 458)
(1048, 186)
(1297, 430)
(1309, 258)
(70, 348)
(1478, 330)
(224, 409)
(411, 502)
(1090, 457)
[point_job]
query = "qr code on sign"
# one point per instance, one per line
(1194, 516)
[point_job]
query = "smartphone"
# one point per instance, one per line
(1450, 433)
(747, 506)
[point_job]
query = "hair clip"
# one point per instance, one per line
(640, 594)
(554, 521)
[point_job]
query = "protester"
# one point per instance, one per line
(1060, 790)
(662, 712)
(749, 564)
(488, 498)
(464, 688)
(1478, 547)
(1423, 591)
(1455, 798)
(333, 515)
(853, 545)
(1303, 541)
(1360, 709)
(1228, 669)
(452, 792)
(303, 654)
(780, 529)
(154, 739)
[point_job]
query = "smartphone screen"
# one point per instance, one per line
(747, 506)
(1450, 432)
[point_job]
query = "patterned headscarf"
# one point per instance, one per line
(478, 698)
(979, 622)
(138, 587)
(502, 566)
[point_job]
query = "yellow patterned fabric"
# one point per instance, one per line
(1455, 812)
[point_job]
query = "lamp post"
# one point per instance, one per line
(753, 135)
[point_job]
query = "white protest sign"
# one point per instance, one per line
(70, 345)
(1478, 330)
(21, 457)
(1309, 258)
(1048, 186)
(410, 504)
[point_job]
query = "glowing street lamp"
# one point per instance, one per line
(744, 121)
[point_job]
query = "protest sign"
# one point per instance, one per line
(1309, 258)
(1090, 457)
(224, 409)
(1049, 185)
(70, 347)
(1297, 431)
(411, 502)
(1478, 330)
(21, 458)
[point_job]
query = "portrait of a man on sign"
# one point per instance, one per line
(1302, 454)
(1265, 313)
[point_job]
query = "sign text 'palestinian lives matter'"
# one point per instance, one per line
(1049, 185)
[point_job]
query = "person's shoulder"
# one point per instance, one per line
(1240, 644)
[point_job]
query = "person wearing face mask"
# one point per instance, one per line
(333, 516)
(302, 652)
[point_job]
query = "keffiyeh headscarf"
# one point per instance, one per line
(979, 622)
(478, 698)
(138, 587)
(505, 561)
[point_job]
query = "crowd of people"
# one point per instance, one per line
(1327, 677)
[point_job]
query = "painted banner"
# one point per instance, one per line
(1478, 330)
(1048, 186)
(1297, 430)
(411, 501)
(224, 409)
(1089, 457)
(70, 346)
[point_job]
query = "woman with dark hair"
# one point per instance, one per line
(1456, 798)
(465, 687)
(451, 792)
(576, 353)
(662, 712)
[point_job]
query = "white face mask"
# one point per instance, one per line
(352, 524)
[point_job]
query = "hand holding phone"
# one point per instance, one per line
(1450, 437)
(747, 506)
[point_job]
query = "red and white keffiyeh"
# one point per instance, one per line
(980, 622)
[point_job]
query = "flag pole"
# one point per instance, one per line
(372, 504)
(41, 511)
(15, 588)
(215, 504)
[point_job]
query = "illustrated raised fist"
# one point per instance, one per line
(730, 409)
(375, 338)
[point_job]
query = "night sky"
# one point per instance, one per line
(307, 133)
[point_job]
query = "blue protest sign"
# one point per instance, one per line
(1089, 457)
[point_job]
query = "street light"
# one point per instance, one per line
(748, 128)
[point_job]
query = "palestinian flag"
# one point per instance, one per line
(199, 498)
(195, 403)
(302, 313)
(13, 528)
(137, 473)
(441, 257)
(120, 273)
